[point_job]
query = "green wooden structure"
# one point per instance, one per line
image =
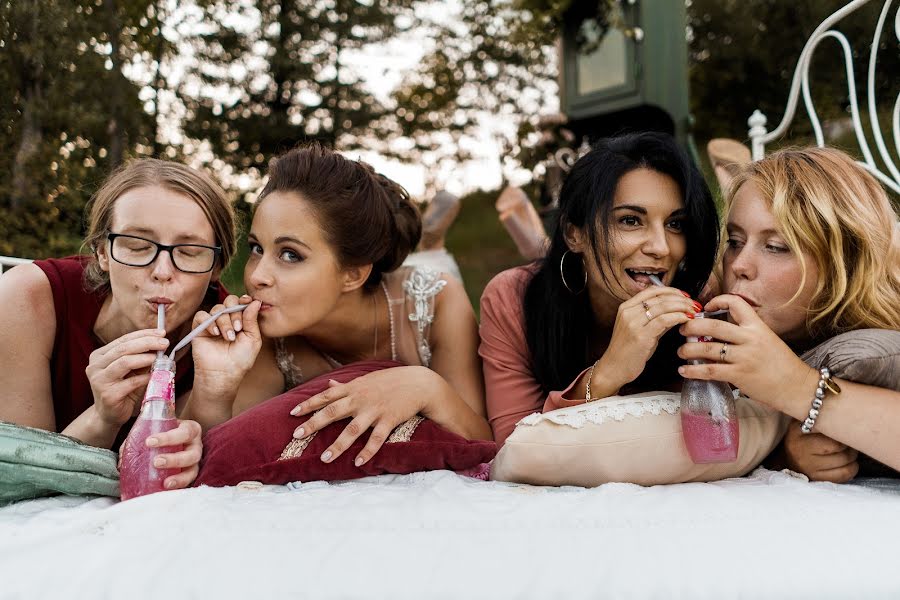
(633, 76)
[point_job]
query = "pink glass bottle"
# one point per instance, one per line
(137, 475)
(709, 421)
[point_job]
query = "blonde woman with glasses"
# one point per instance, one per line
(79, 333)
(812, 251)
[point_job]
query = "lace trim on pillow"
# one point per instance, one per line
(296, 447)
(405, 430)
(403, 433)
(604, 410)
(421, 286)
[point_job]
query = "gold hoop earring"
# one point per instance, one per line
(562, 274)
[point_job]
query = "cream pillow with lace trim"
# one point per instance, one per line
(633, 439)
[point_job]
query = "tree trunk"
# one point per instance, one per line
(24, 181)
(24, 185)
(117, 135)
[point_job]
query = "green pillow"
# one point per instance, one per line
(36, 463)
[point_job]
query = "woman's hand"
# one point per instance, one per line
(747, 354)
(119, 372)
(818, 456)
(381, 400)
(189, 435)
(640, 323)
(227, 349)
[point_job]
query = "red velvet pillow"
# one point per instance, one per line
(258, 445)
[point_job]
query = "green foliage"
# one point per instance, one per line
(286, 79)
(68, 113)
(743, 54)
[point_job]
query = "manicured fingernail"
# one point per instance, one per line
(698, 306)
(681, 371)
(237, 325)
(358, 461)
(231, 336)
(298, 433)
(326, 456)
(170, 484)
(216, 331)
(296, 410)
(689, 315)
(152, 442)
(159, 461)
(685, 294)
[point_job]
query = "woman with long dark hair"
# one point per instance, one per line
(586, 322)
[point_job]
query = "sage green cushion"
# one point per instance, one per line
(36, 463)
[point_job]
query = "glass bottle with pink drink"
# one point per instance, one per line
(709, 421)
(137, 475)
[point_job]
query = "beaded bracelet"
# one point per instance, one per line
(825, 383)
(587, 396)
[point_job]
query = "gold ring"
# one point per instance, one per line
(723, 351)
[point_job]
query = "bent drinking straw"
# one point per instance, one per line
(199, 328)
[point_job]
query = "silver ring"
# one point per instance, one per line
(723, 351)
(649, 316)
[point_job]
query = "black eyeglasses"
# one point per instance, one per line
(136, 251)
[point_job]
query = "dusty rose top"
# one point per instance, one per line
(512, 390)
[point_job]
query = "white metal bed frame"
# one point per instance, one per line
(8, 262)
(759, 136)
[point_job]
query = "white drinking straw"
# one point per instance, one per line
(199, 328)
(160, 324)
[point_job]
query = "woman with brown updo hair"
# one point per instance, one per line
(328, 239)
(79, 333)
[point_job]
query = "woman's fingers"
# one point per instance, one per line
(336, 391)
(249, 320)
(738, 309)
(376, 441)
(187, 432)
(842, 473)
(335, 411)
(712, 350)
(124, 365)
(351, 432)
(200, 317)
(183, 479)
(149, 340)
(662, 306)
(128, 337)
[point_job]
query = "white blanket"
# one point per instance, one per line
(440, 535)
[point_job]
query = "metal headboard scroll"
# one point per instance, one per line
(759, 137)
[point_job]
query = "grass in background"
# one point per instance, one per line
(480, 244)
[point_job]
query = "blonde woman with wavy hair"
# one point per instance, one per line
(812, 250)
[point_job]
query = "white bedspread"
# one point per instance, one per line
(439, 535)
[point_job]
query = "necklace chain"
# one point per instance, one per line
(335, 363)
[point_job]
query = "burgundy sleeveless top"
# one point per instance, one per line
(77, 310)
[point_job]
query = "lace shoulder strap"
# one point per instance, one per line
(421, 287)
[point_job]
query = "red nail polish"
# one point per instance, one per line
(685, 294)
(689, 315)
(698, 306)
